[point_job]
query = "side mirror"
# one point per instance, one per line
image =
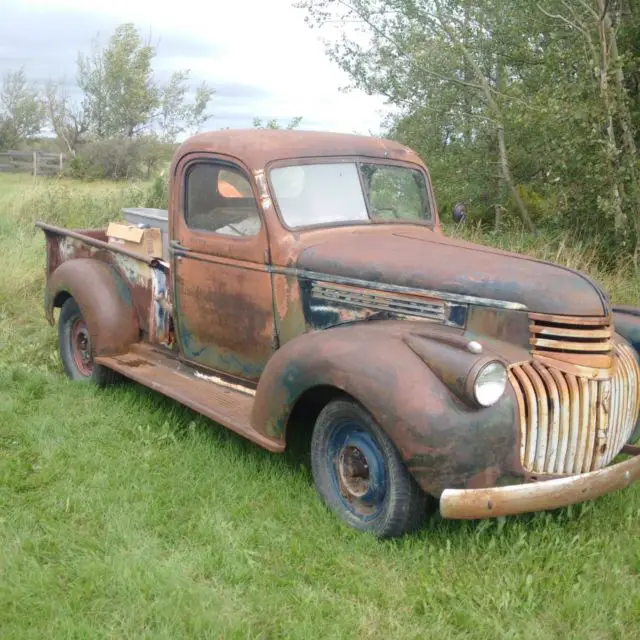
(459, 213)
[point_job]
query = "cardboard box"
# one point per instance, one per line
(144, 241)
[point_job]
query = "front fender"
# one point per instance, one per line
(445, 442)
(627, 323)
(104, 300)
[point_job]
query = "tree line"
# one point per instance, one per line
(523, 109)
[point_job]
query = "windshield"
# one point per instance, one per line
(330, 193)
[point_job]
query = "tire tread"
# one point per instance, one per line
(406, 507)
(102, 376)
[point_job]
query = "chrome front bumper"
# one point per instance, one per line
(472, 504)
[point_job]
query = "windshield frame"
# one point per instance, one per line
(357, 160)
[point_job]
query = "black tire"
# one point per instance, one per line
(79, 362)
(359, 474)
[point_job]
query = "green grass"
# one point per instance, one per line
(123, 514)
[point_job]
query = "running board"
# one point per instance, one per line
(225, 403)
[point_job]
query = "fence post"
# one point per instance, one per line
(35, 164)
(60, 163)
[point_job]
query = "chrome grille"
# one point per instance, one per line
(403, 304)
(573, 424)
(574, 339)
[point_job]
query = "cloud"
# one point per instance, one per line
(234, 90)
(259, 55)
(47, 42)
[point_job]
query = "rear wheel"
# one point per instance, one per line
(76, 350)
(360, 475)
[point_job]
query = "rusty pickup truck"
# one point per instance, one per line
(307, 283)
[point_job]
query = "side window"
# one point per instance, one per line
(219, 198)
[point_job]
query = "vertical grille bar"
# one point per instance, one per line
(574, 394)
(616, 417)
(626, 399)
(521, 411)
(615, 420)
(583, 434)
(592, 424)
(565, 421)
(532, 417)
(553, 435)
(543, 419)
(603, 425)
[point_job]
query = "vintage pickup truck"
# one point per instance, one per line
(307, 282)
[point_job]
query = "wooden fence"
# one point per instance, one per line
(37, 163)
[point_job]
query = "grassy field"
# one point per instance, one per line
(122, 514)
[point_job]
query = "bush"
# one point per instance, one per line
(157, 195)
(120, 159)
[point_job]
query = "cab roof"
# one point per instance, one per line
(258, 147)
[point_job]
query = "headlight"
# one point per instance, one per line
(490, 384)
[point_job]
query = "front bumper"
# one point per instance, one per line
(472, 504)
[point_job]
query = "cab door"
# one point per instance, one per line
(223, 301)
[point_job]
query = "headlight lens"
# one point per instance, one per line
(490, 384)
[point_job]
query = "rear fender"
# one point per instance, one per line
(104, 299)
(444, 441)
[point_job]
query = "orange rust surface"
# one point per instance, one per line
(98, 289)
(225, 315)
(257, 148)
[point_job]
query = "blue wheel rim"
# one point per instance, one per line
(357, 470)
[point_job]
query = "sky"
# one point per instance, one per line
(259, 55)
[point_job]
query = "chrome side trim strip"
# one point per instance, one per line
(380, 302)
(395, 288)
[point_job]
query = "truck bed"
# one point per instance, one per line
(148, 278)
(154, 360)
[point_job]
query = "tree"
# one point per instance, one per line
(69, 121)
(175, 115)
(426, 56)
(122, 98)
(120, 95)
(294, 123)
(595, 26)
(21, 112)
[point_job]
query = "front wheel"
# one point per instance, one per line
(360, 475)
(76, 350)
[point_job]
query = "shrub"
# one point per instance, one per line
(120, 159)
(157, 194)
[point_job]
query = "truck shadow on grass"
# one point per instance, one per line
(180, 422)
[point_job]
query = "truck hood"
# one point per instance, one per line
(423, 259)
